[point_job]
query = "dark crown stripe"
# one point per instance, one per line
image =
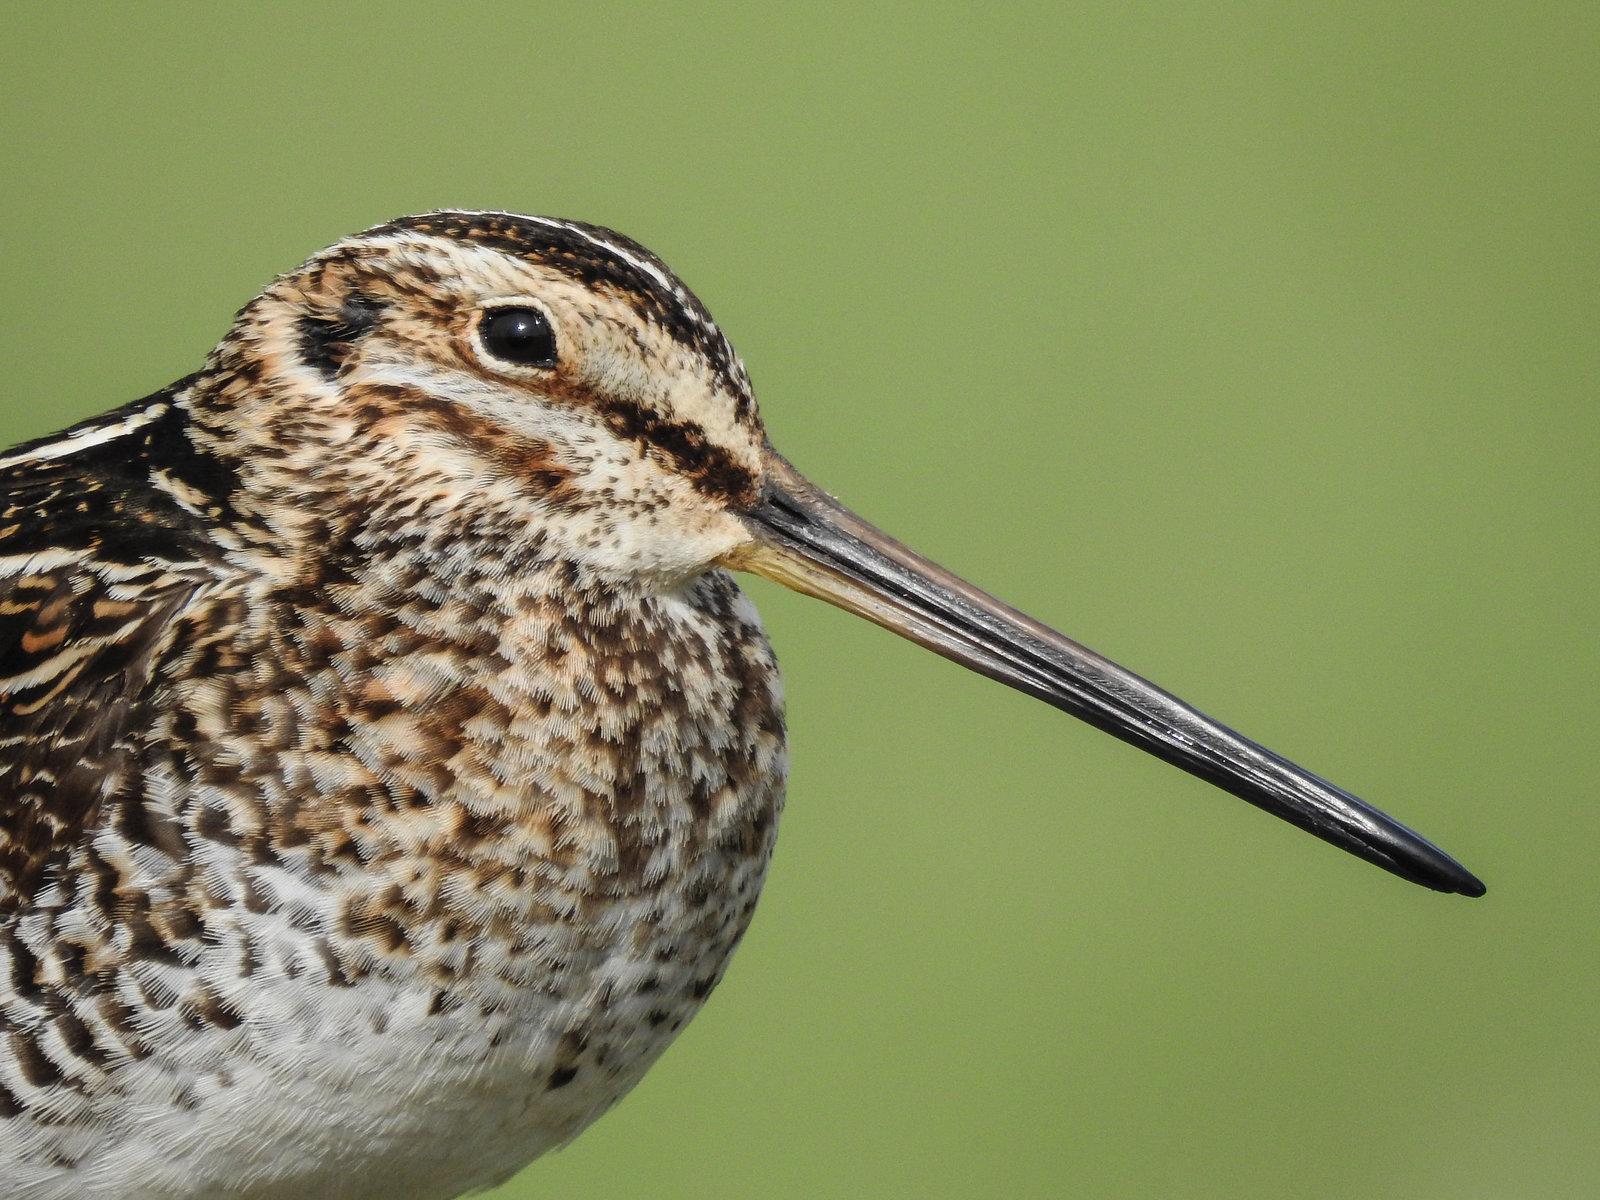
(593, 256)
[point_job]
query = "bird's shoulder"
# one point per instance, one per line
(107, 531)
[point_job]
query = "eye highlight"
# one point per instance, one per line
(518, 335)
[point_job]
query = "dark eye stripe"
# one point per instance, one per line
(325, 341)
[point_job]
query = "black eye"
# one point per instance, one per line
(519, 335)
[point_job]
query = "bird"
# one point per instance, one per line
(390, 760)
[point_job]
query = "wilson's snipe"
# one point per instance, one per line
(390, 765)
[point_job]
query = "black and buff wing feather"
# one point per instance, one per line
(103, 541)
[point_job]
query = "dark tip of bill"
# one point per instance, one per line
(1435, 869)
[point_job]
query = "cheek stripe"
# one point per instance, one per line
(709, 468)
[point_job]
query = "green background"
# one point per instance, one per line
(1255, 345)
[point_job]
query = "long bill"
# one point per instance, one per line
(806, 540)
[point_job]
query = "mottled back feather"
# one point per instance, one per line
(98, 553)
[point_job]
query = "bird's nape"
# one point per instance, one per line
(806, 540)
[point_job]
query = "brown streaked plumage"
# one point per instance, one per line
(390, 765)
